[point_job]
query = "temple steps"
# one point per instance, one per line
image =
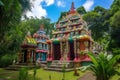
(58, 69)
(58, 66)
(18, 66)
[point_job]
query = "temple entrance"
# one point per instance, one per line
(56, 51)
(25, 56)
(72, 56)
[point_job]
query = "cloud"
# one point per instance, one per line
(37, 9)
(49, 2)
(88, 4)
(60, 4)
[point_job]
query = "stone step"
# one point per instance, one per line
(17, 67)
(58, 69)
(56, 66)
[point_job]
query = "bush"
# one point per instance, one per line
(23, 73)
(6, 60)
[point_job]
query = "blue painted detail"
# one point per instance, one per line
(44, 56)
(37, 56)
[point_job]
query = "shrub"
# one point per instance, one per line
(23, 73)
(6, 60)
(103, 65)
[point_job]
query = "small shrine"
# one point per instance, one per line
(28, 50)
(42, 49)
(71, 39)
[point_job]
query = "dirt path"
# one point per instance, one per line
(87, 76)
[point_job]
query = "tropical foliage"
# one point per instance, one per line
(23, 73)
(103, 65)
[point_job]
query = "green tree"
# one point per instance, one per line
(62, 14)
(94, 24)
(81, 10)
(99, 9)
(10, 14)
(115, 20)
(115, 6)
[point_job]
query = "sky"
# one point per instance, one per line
(52, 8)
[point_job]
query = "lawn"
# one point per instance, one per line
(41, 75)
(44, 75)
(8, 75)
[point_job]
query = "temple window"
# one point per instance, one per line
(42, 45)
(62, 29)
(39, 46)
(71, 33)
(53, 36)
(86, 43)
(61, 35)
(56, 36)
(45, 46)
(59, 29)
(83, 32)
(76, 33)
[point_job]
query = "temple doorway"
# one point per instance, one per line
(25, 56)
(57, 54)
(72, 55)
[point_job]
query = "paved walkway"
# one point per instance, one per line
(87, 76)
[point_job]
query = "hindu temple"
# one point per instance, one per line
(28, 50)
(42, 49)
(71, 39)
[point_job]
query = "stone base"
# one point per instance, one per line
(58, 65)
(21, 65)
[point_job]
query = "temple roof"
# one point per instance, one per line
(29, 42)
(72, 26)
(41, 33)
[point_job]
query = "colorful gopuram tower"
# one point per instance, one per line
(71, 39)
(41, 37)
(28, 50)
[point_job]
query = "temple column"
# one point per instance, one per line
(23, 53)
(28, 51)
(67, 45)
(75, 50)
(52, 51)
(90, 47)
(34, 55)
(61, 50)
(78, 50)
(49, 56)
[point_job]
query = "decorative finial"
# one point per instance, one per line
(28, 34)
(72, 10)
(41, 27)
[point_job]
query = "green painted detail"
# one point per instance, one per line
(86, 63)
(70, 39)
(49, 63)
(56, 41)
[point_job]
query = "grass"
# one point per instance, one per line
(8, 75)
(41, 75)
(44, 75)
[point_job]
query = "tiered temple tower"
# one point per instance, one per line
(71, 40)
(42, 50)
